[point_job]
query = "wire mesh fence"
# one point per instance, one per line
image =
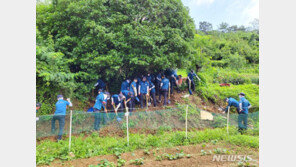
(142, 121)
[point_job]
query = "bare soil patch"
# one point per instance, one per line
(196, 159)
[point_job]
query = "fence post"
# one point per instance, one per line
(127, 134)
(70, 131)
(228, 120)
(126, 115)
(186, 120)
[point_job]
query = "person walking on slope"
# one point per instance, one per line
(244, 106)
(191, 84)
(164, 88)
(60, 114)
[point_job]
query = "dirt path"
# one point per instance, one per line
(196, 159)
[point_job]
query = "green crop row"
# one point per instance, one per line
(93, 145)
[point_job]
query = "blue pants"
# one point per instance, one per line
(98, 117)
(61, 119)
(242, 121)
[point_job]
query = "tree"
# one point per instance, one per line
(223, 27)
(115, 39)
(255, 25)
(205, 26)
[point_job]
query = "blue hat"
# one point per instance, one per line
(241, 94)
(60, 96)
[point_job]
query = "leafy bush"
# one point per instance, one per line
(216, 93)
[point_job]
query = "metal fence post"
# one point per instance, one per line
(127, 134)
(186, 126)
(228, 120)
(70, 130)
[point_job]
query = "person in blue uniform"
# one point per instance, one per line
(128, 95)
(157, 83)
(100, 85)
(134, 90)
(60, 114)
(152, 93)
(164, 88)
(99, 109)
(116, 102)
(231, 102)
(125, 85)
(174, 82)
(244, 106)
(190, 79)
(143, 90)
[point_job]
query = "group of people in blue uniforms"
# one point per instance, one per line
(141, 89)
(242, 107)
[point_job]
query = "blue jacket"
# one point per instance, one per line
(232, 102)
(191, 76)
(125, 85)
(101, 84)
(245, 104)
(144, 86)
(125, 93)
(131, 87)
(165, 83)
(61, 106)
(158, 78)
(99, 101)
(116, 99)
(150, 86)
(151, 78)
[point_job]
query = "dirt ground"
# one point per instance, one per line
(196, 159)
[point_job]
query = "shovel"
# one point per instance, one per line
(169, 101)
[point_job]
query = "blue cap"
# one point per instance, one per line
(60, 96)
(242, 94)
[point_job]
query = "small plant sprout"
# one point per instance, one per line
(146, 152)
(139, 161)
(203, 152)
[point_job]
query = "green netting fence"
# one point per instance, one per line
(140, 122)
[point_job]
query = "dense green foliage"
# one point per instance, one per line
(110, 39)
(80, 41)
(93, 145)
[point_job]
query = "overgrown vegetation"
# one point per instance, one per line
(83, 40)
